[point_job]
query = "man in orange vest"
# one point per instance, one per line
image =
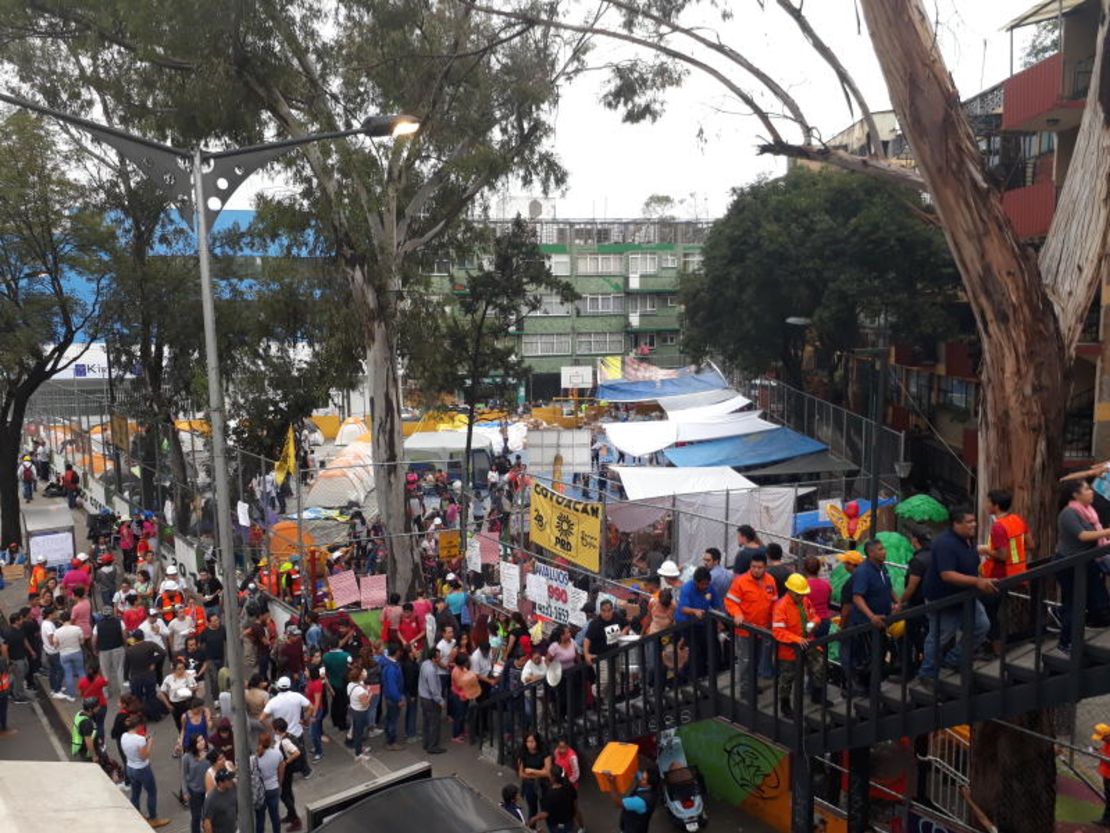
(793, 619)
(168, 599)
(37, 579)
(1010, 541)
(751, 597)
(1102, 735)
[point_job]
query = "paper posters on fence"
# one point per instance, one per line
(344, 588)
(554, 596)
(373, 592)
(473, 555)
(569, 528)
(449, 544)
(510, 584)
(243, 511)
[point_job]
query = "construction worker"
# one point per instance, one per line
(1010, 538)
(195, 610)
(294, 583)
(266, 578)
(283, 578)
(751, 598)
(37, 579)
(1102, 735)
(168, 599)
(793, 619)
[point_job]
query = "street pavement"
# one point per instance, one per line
(37, 739)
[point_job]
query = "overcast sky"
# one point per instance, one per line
(613, 167)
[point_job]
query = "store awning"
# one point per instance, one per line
(1042, 11)
(823, 462)
(751, 450)
(646, 482)
(649, 436)
(649, 390)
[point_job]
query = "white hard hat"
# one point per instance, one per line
(82, 556)
(283, 683)
(668, 569)
(169, 585)
(171, 570)
(437, 522)
(451, 577)
(39, 559)
(457, 485)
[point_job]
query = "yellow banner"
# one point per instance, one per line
(569, 528)
(450, 544)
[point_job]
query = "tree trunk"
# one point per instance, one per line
(1007, 767)
(11, 437)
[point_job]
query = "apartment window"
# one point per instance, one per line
(669, 339)
(601, 343)
(601, 304)
(691, 261)
(645, 341)
(441, 267)
(559, 264)
(551, 304)
(643, 303)
(672, 300)
(545, 344)
(670, 261)
(956, 393)
(643, 263)
(599, 264)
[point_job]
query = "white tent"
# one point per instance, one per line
(646, 482)
(688, 408)
(351, 429)
(640, 438)
(348, 479)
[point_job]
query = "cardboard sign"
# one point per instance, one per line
(549, 588)
(450, 544)
(344, 588)
(373, 593)
(567, 527)
(510, 585)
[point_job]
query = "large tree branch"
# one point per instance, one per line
(878, 168)
(1074, 257)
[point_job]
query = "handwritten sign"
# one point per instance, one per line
(243, 511)
(344, 588)
(473, 556)
(510, 584)
(373, 592)
(549, 588)
(449, 544)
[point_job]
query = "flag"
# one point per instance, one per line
(287, 463)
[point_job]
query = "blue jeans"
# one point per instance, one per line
(944, 625)
(269, 806)
(27, 488)
(316, 732)
(459, 709)
(412, 706)
(73, 665)
(144, 779)
(71, 499)
(54, 672)
(359, 721)
(392, 713)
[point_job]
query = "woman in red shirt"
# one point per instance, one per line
(93, 685)
(820, 591)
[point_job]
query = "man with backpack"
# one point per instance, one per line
(71, 483)
(26, 473)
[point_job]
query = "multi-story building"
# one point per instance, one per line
(1027, 128)
(627, 272)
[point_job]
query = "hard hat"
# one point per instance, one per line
(27, 458)
(153, 611)
(286, 567)
(38, 559)
(457, 485)
(850, 557)
(451, 577)
(171, 570)
(897, 630)
(82, 556)
(796, 583)
(1101, 731)
(169, 585)
(283, 684)
(437, 522)
(668, 569)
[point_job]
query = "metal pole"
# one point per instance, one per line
(300, 525)
(223, 507)
(876, 434)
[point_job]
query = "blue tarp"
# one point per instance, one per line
(745, 451)
(805, 521)
(648, 390)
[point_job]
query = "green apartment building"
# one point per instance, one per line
(627, 272)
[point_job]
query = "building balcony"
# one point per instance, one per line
(1030, 209)
(654, 282)
(1048, 96)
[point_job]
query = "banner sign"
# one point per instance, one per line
(449, 544)
(344, 588)
(569, 528)
(553, 595)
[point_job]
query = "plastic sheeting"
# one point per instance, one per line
(750, 450)
(710, 520)
(653, 389)
(708, 411)
(646, 482)
(647, 437)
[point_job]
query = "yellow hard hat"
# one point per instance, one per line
(897, 630)
(1101, 731)
(850, 557)
(796, 583)
(286, 567)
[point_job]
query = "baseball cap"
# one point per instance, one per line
(283, 683)
(153, 611)
(82, 556)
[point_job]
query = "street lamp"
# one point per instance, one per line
(219, 173)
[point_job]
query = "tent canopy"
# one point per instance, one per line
(728, 401)
(652, 389)
(349, 432)
(743, 452)
(822, 462)
(447, 441)
(432, 804)
(640, 438)
(646, 482)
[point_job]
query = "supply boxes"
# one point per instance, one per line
(618, 760)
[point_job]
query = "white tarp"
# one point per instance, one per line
(646, 482)
(641, 438)
(676, 409)
(710, 520)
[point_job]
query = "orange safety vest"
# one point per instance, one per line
(38, 576)
(1103, 764)
(752, 597)
(167, 601)
(786, 624)
(1015, 549)
(199, 617)
(268, 580)
(296, 588)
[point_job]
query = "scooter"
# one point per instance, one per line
(683, 786)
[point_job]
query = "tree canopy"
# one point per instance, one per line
(832, 247)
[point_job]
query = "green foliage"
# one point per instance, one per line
(466, 348)
(1045, 42)
(829, 246)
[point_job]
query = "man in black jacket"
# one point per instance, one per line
(140, 663)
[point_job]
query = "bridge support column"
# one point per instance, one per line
(859, 789)
(801, 793)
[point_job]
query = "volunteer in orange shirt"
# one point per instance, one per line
(1102, 735)
(1006, 554)
(751, 597)
(793, 619)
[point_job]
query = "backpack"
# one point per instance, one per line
(28, 473)
(258, 786)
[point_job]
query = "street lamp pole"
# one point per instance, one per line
(224, 171)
